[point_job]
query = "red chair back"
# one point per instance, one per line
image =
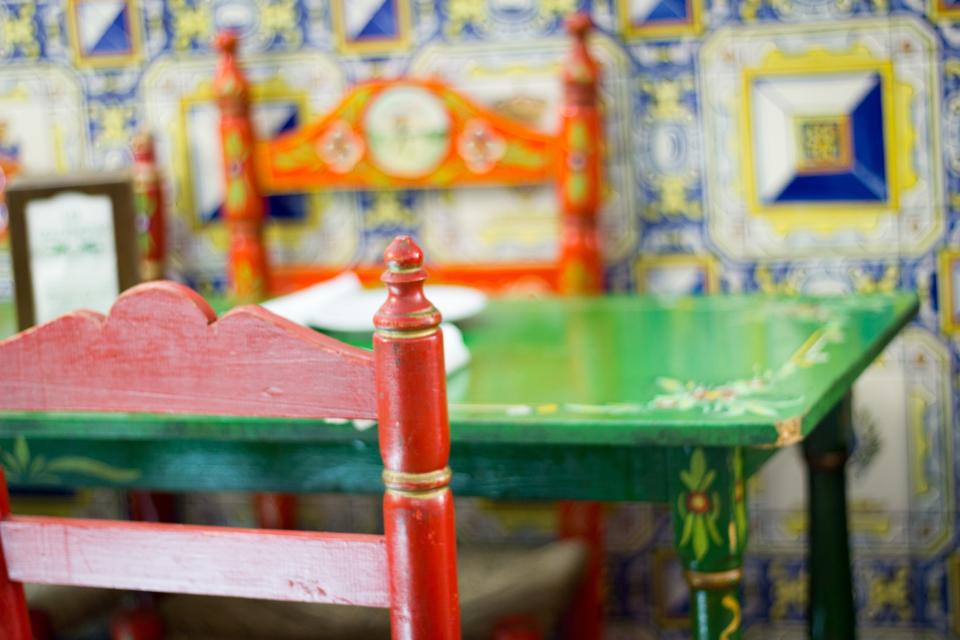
(161, 349)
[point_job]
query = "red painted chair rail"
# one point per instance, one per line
(162, 350)
(249, 563)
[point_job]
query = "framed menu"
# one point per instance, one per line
(73, 240)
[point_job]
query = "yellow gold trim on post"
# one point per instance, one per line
(405, 481)
(419, 495)
(150, 270)
(395, 268)
(396, 334)
(714, 580)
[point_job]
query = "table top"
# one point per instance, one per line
(574, 398)
(721, 370)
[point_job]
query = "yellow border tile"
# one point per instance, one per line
(815, 67)
(112, 60)
(692, 26)
(382, 45)
(706, 263)
(949, 319)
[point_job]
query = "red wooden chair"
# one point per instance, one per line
(162, 350)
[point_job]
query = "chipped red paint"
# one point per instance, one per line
(162, 350)
(300, 566)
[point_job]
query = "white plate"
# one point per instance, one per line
(354, 310)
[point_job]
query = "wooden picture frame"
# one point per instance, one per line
(70, 230)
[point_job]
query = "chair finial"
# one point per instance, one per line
(403, 254)
(149, 206)
(581, 72)
(579, 25)
(406, 310)
(142, 147)
(226, 42)
(230, 85)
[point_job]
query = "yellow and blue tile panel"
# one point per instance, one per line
(781, 146)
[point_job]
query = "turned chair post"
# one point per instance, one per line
(415, 447)
(581, 273)
(243, 205)
(149, 205)
(579, 174)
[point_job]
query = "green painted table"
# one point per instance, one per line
(616, 398)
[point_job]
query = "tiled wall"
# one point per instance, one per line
(771, 145)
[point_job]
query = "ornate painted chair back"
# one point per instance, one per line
(161, 350)
(468, 145)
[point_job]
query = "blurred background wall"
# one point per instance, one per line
(780, 146)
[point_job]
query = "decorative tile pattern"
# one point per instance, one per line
(371, 26)
(676, 274)
(827, 144)
(104, 32)
(660, 18)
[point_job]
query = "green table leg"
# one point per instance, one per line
(832, 613)
(710, 531)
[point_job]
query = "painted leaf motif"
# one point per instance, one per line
(456, 104)
(670, 384)
(236, 194)
(37, 465)
(577, 136)
(519, 156)
(700, 542)
(304, 157)
(712, 531)
(358, 100)
(233, 145)
(707, 480)
(91, 468)
(698, 466)
(10, 463)
(22, 453)
(577, 187)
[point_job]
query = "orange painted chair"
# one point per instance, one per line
(469, 145)
(371, 141)
(161, 350)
